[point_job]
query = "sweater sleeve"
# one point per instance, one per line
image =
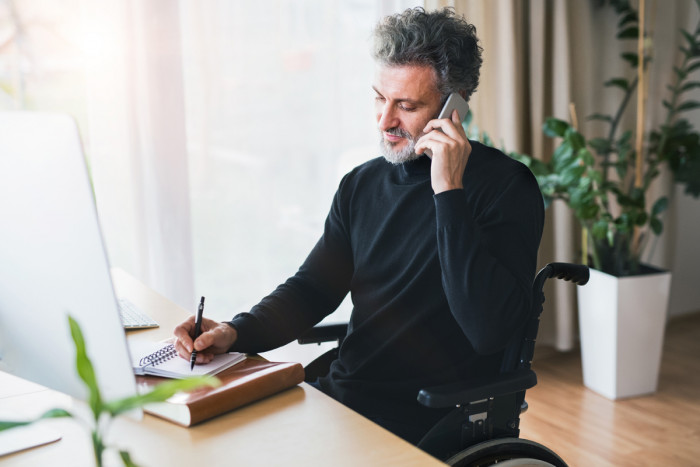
(314, 292)
(488, 262)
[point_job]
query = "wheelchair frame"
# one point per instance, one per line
(484, 426)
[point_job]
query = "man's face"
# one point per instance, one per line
(406, 99)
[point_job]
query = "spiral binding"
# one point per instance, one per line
(162, 355)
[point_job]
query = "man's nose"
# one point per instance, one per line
(387, 118)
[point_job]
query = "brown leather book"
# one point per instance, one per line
(250, 380)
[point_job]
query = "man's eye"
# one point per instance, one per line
(379, 98)
(407, 108)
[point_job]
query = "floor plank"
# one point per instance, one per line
(586, 429)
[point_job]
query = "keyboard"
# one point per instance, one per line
(133, 317)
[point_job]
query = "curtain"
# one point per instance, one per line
(136, 140)
(116, 67)
(540, 56)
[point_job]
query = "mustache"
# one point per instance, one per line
(396, 131)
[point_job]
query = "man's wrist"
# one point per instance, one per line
(231, 333)
(442, 187)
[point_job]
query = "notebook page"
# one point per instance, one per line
(172, 365)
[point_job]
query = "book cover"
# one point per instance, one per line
(248, 381)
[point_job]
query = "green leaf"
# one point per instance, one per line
(587, 211)
(680, 72)
(692, 67)
(585, 156)
(575, 138)
(619, 82)
(656, 226)
(554, 127)
(690, 85)
(538, 167)
(572, 174)
(126, 459)
(630, 17)
(597, 116)
(6, 425)
(53, 413)
(85, 368)
(631, 57)
(688, 105)
(625, 138)
(600, 229)
(562, 157)
(629, 33)
(160, 393)
(641, 218)
(600, 145)
(689, 37)
(637, 196)
(659, 206)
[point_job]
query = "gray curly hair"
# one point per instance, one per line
(440, 39)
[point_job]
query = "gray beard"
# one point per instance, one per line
(406, 154)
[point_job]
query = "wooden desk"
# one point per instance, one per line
(301, 426)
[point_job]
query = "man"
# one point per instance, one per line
(437, 254)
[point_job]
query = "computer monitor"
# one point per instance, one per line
(53, 261)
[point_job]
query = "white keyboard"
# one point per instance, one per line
(133, 317)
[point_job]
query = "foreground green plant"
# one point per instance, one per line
(103, 412)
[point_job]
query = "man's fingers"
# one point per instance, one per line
(450, 126)
(204, 357)
(457, 118)
(208, 324)
(204, 341)
(181, 350)
(183, 333)
(215, 338)
(432, 141)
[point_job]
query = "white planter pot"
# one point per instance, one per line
(622, 322)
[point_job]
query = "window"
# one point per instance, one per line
(276, 108)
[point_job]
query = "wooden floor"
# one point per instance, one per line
(586, 429)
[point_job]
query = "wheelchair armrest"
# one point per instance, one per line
(324, 333)
(464, 392)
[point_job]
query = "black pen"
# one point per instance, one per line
(197, 332)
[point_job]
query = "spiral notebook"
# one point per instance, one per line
(161, 359)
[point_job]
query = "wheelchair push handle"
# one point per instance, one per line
(576, 273)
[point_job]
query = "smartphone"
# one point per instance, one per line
(454, 101)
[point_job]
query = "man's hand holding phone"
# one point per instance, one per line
(446, 142)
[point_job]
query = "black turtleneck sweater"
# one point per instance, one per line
(439, 283)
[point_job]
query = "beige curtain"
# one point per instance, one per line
(539, 56)
(527, 76)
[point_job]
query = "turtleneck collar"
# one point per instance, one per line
(415, 171)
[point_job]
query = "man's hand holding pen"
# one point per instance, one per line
(215, 338)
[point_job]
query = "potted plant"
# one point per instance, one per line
(605, 181)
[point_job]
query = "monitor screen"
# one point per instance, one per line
(53, 262)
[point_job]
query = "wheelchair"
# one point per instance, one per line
(483, 427)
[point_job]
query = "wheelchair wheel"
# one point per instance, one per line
(506, 452)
